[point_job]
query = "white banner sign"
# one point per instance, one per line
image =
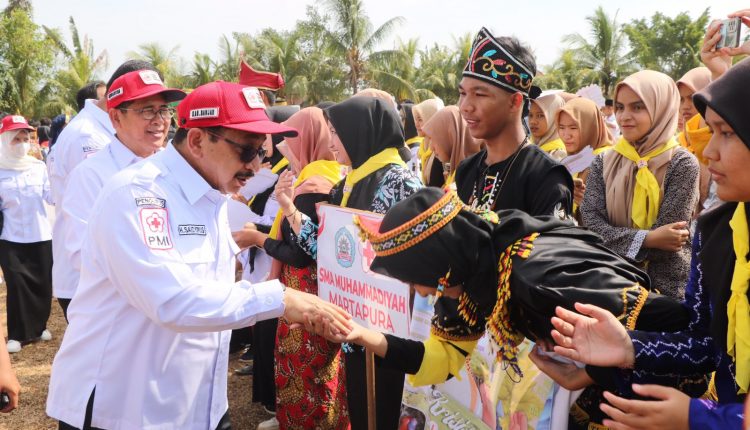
(344, 277)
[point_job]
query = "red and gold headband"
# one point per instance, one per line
(416, 230)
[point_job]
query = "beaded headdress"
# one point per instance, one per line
(490, 62)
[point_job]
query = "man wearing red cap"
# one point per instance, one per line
(138, 108)
(86, 134)
(147, 345)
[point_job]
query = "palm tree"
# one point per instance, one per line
(566, 74)
(82, 65)
(203, 72)
(228, 68)
(352, 38)
(164, 60)
(604, 53)
(397, 74)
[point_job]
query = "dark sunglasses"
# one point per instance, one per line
(247, 152)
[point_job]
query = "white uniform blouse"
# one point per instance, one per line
(149, 322)
(22, 197)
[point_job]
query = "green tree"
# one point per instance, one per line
(440, 69)
(669, 45)
(565, 74)
(82, 65)
(603, 53)
(27, 57)
(351, 37)
(166, 61)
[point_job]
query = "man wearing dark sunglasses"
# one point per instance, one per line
(137, 107)
(148, 340)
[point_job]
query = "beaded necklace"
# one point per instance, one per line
(492, 186)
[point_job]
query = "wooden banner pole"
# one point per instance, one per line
(370, 372)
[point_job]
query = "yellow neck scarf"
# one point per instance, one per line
(275, 169)
(553, 145)
(330, 170)
(738, 309)
(694, 138)
(646, 197)
(415, 139)
(451, 180)
(601, 149)
(374, 163)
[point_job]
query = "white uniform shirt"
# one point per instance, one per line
(157, 289)
(22, 197)
(84, 184)
(87, 133)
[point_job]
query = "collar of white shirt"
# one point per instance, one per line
(121, 154)
(192, 184)
(101, 116)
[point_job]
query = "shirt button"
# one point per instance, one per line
(269, 300)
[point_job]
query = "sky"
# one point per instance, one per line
(119, 27)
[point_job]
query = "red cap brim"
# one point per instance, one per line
(170, 95)
(18, 126)
(263, 127)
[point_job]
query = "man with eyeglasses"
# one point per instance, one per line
(148, 341)
(137, 105)
(86, 134)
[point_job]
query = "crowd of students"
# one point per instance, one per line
(634, 265)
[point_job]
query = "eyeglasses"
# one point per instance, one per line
(150, 113)
(247, 152)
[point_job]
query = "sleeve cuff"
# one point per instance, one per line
(269, 299)
(636, 244)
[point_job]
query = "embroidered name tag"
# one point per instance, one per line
(209, 112)
(155, 227)
(191, 230)
(114, 93)
(151, 202)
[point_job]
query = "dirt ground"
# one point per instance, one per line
(33, 363)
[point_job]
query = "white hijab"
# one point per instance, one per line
(10, 159)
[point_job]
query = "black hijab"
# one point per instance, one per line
(727, 96)
(278, 114)
(410, 129)
(366, 126)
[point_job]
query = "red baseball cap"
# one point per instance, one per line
(263, 80)
(14, 122)
(138, 85)
(229, 105)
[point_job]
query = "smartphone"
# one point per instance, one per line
(730, 33)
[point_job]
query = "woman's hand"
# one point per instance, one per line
(249, 236)
(285, 192)
(593, 336)
(670, 409)
(567, 375)
(720, 60)
(578, 190)
(670, 237)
